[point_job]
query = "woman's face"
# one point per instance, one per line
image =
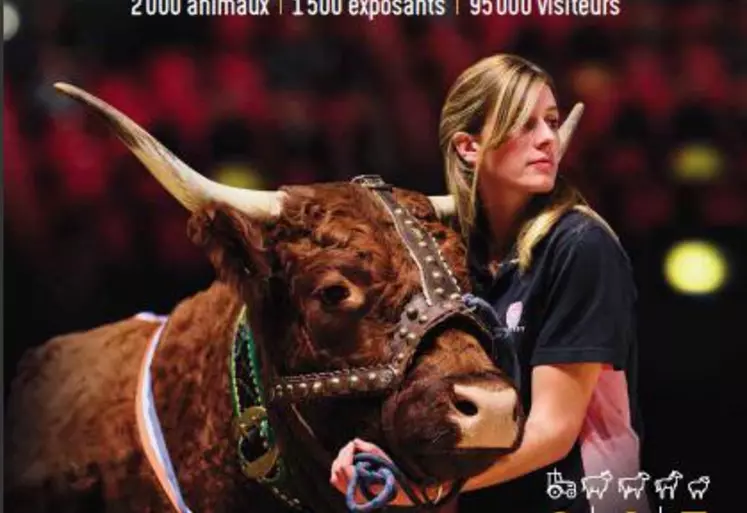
(528, 161)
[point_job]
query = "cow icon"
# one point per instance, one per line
(698, 487)
(667, 484)
(596, 484)
(633, 485)
(557, 486)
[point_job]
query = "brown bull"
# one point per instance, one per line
(324, 279)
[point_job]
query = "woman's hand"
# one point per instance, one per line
(343, 468)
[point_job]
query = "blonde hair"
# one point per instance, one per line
(495, 97)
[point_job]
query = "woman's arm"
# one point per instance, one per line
(560, 396)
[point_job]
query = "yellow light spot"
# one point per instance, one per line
(695, 267)
(697, 163)
(239, 175)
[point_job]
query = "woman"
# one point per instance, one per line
(555, 272)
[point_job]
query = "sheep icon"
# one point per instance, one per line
(596, 484)
(698, 487)
(667, 484)
(633, 485)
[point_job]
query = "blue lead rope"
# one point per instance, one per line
(370, 470)
(483, 307)
(502, 350)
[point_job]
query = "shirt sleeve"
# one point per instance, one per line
(588, 314)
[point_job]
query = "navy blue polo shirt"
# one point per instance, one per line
(574, 304)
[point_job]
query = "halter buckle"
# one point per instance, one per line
(260, 468)
(371, 182)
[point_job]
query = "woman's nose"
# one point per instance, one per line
(545, 135)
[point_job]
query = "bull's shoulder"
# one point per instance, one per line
(72, 398)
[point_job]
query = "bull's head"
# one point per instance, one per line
(328, 281)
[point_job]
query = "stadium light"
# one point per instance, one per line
(239, 175)
(697, 162)
(11, 21)
(695, 267)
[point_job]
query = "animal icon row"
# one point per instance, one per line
(628, 487)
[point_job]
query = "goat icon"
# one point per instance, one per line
(698, 487)
(633, 485)
(557, 486)
(667, 484)
(596, 484)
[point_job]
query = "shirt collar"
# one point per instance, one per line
(478, 246)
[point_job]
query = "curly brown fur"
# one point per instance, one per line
(72, 439)
(74, 442)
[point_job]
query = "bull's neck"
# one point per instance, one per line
(193, 393)
(191, 388)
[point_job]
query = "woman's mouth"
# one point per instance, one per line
(543, 164)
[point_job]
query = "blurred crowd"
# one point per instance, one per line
(261, 102)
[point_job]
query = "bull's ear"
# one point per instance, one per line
(233, 241)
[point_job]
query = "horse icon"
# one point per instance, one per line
(633, 485)
(596, 484)
(557, 486)
(698, 487)
(667, 484)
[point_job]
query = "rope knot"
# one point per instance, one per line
(371, 470)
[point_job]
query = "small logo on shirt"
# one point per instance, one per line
(513, 316)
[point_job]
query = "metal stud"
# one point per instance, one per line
(455, 296)
(334, 382)
(412, 337)
(422, 244)
(440, 291)
(303, 387)
(316, 387)
(354, 380)
(436, 275)
(289, 387)
(402, 332)
(400, 357)
(430, 259)
(371, 376)
(408, 222)
(386, 376)
(398, 211)
(423, 318)
(279, 390)
(412, 312)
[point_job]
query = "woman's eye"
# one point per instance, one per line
(553, 123)
(334, 294)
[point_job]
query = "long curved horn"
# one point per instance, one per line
(445, 205)
(189, 187)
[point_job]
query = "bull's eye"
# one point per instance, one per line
(334, 294)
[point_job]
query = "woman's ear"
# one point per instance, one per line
(467, 147)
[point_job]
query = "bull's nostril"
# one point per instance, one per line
(466, 407)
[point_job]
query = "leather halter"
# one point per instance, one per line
(440, 300)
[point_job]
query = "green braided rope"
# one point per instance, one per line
(244, 335)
